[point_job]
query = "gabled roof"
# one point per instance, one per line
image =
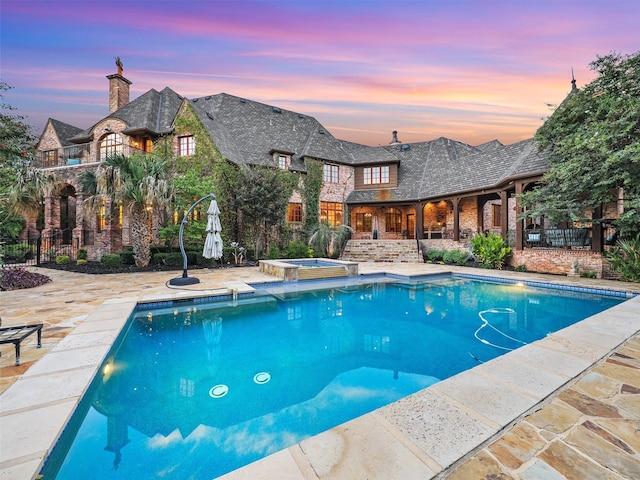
(151, 113)
(64, 131)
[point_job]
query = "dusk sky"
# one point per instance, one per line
(470, 70)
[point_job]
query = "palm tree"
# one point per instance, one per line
(140, 185)
(329, 241)
(32, 187)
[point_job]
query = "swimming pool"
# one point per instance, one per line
(168, 385)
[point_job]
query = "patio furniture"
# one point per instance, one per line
(568, 237)
(17, 334)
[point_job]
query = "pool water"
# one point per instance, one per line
(196, 390)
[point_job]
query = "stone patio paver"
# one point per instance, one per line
(588, 429)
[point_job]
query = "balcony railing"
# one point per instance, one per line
(77, 155)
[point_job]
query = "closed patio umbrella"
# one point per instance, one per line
(213, 242)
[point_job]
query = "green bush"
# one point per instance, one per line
(624, 258)
(159, 258)
(110, 260)
(433, 255)
(192, 257)
(157, 249)
(63, 260)
(456, 257)
(490, 250)
(588, 274)
(274, 253)
(126, 257)
(299, 249)
(521, 268)
(174, 259)
(81, 261)
(16, 253)
(82, 254)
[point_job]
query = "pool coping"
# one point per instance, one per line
(422, 435)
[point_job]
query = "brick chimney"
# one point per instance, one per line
(394, 138)
(118, 89)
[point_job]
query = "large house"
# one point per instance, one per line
(437, 189)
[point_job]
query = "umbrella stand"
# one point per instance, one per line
(185, 279)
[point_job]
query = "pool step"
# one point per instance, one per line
(324, 272)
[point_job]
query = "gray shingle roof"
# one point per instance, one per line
(64, 131)
(249, 132)
(444, 167)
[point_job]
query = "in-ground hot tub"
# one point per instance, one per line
(291, 270)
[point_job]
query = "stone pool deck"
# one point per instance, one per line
(565, 407)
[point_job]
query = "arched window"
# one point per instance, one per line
(110, 145)
(394, 220)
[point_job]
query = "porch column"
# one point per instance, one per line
(596, 232)
(504, 214)
(519, 222)
(419, 220)
(456, 218)
(480, 201)
(77, 231)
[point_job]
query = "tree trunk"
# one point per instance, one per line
(140, 235)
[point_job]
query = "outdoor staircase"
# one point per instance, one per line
(398, 251)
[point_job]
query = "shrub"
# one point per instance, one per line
(434, 255)
(457, 257)
(174, 259)
(521, 268)
(588, 274)
(192, 257)
(126, 257)
(63, 260)
(81, 261)
(14, 278)
(82, 254)
(159, 258)
(299, 249)
(110, 260)
(274, 253)
(624, 258)
(490, 250)
(16, 253)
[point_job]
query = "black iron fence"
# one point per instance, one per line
(40, 249)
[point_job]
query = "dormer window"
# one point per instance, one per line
(283, 161)
(187, 145)
(376, 175)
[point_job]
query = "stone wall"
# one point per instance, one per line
(398, 251)
(558, 262)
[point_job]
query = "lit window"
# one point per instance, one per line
(294, 213)
(50, 158)
(283, 161)
(110, 145)
(101, 216)
(331, 212)
(393, 220)
(330, 174)
(363, 222)
(187, 146)
(376, 175)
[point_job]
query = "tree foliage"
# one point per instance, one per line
(593, 140)
(262, 198)
(140, 185)
(16, 143)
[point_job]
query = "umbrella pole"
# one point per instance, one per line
(185, 279)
